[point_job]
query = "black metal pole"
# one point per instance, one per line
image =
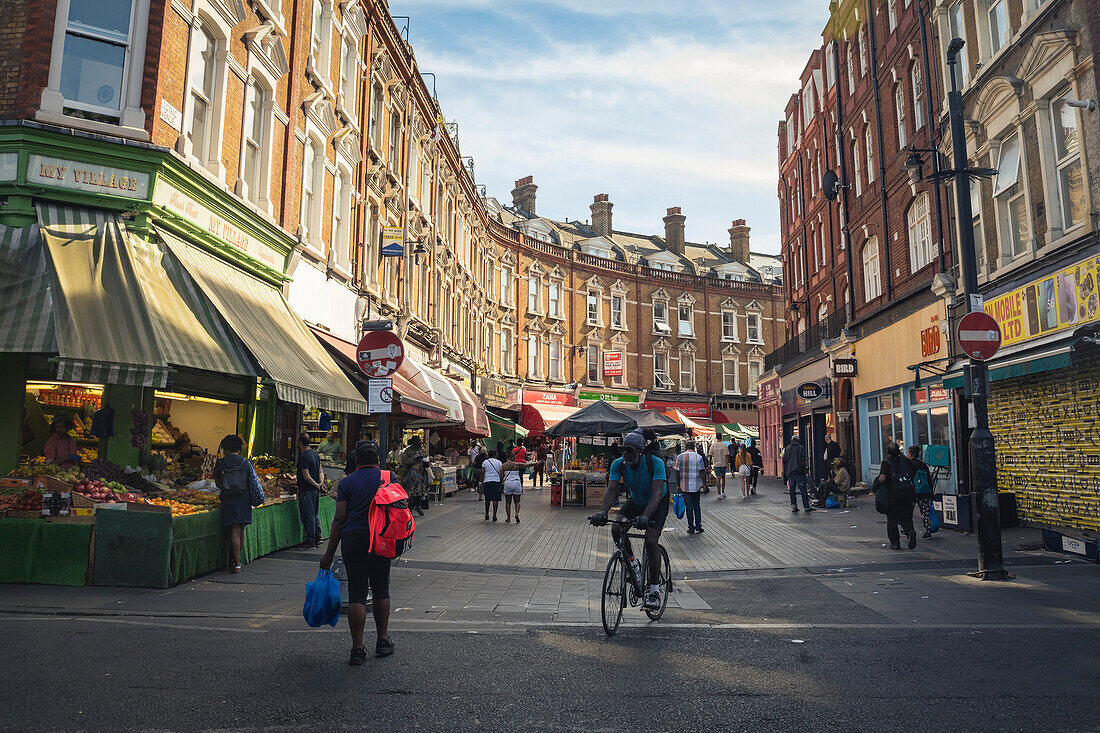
(983, 458)
(933, 124)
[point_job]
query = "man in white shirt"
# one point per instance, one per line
(692, 472)
(720, 461)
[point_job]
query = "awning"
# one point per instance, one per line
(285, 349)
(697, 430)
(26, 305)
(409, 399)
(650, 419)
(438, 388)
(736, 431)
(1054, 351)
(598, 418)
(473, 414)
(503, 429)
(540, 418)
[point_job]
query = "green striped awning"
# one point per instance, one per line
(280, 342)
(26, 305)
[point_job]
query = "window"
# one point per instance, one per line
(729, 375)
(892, 14)
(394, 142)
(885, 425)
(98, 41)
(957, 29)
(349, 76)
(371, 247)
(506, 285)
(617, 318)
(555, 359)
(857, 162)
(754, 375)
(506, 350)
(830, 66)
(255, 150)
(920, 233)
(312, 188)
(341, 215)
(869, 151)
(202, 94)
(317, 40)
(534, 356)
(851, 72)
(592, 301)
(863, 50)
(376, 104)
(661, 379)
(555, 299)
(998, 25)
(594, 366)
(822, 311)
(729, 326)
(807, 104)
(1008, 193)
(687, 320)
(976, 222)
(918, 97)
(899, 111)
(687, 372)
(1067, 155)
(660, 317)
(872, 285)
(534, 294)
(752, 328)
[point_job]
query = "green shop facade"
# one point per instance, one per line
(135, 282)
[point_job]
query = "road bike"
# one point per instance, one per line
(621, 584)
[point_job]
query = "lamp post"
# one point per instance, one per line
(983, 459)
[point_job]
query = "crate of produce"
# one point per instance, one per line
(15, 482)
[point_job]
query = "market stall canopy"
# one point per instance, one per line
(503, 429)
(539, 418)
(302, 370)
(436, 386)
(408, 398)
(599, 418)
(475, 421)
(657, 422)
(697, 430)
(736, 431)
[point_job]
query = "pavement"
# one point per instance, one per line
(777, 622)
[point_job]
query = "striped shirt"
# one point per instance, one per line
(689, 464)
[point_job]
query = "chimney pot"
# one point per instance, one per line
(674, 230)
(739, 241)
(523, 195)
(601, 214)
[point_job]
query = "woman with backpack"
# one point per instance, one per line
(513, 486)
(922, 484)
(240, 491)
(741, 460)
(896, 477)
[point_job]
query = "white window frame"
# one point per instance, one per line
(372, 247)
(661, 379)
(534, 294)
(593, 363)
(689, 332)
(872, 275)
(754, 380)
(350, 74)
(554, 293)
(1060, 163)
(343, 196)
(919, 218)
(997, 42)
(753, 322)
(917, 83)
(1010, 192)
(863, 50)
(857, 165)
(258, 189)
(977, 224)
(687, 371)
(729, 325)
(311, 210)
(892, 14)
(376, 113)
(593, 313)
(555, 359)
(851, 71)
(869, 152)
(661, 325)
(730, 375)
(899, 112)
(956, 26)
(534, 356)
(506, 286)
(394, 148)
(507, 363)
(618, 312)
(319, 57)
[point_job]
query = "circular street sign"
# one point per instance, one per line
(979, 335)
(380, 353)
(809, 391)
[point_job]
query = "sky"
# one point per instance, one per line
(655, 103)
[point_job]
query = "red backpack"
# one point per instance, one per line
(390, 521)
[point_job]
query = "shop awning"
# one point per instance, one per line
(598, 418)
(26, 305)
(698, 430)
(651, 419)
(409, 399)
(1019, 360)
(285, 349)
(473, 414)
(503, 429)
(736, 431)
(537, 419)
(435, 385)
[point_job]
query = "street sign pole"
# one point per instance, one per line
(983, 457)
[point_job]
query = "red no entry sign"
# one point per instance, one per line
(380, 353)
(979, 335)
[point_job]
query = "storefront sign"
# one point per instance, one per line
(768, 390)
(393, 241)
(540, 397)
(931, 394)
(169, 197)
(613, 363)
(844, 367)
(688, 409)
(930, 341)
(810, 391)
(1061, 300)
(379, 396)
(380, 353)
(500, 394)
(950, 509)
(88, 177)
(609, 397)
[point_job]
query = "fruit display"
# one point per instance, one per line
(139, 433)
(178, 508)
(161, 433)
(30, 501)
(203, 500)
(103, 470)
(109, 493)
(265, 461)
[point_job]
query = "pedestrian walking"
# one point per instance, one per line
(513, 487)
(475, 467)
(922, 488)
(519, 455)
(794, 472)
(366, 571)
(240, 489)
(471, 473)
(692, 475)
(309, 491)
(365, 436)
(414, 473)
(757, 464)
(897, 476)
(720, 460)
(742, 463)
(492, 483)
(539, 469)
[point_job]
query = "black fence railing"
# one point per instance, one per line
(827, 328)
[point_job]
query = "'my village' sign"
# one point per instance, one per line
(87, 177)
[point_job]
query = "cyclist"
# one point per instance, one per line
(644, 478)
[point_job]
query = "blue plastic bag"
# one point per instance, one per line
(831, 503)
(678, 505)
(322, 604)
(935, 523)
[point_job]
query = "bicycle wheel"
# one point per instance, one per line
(664, 581)
(614, 594)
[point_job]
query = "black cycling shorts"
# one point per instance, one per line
(630, 510)
(363, 567)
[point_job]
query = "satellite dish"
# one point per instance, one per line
(830, 185)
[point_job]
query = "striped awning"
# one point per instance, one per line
(281, 343)
(26, 303)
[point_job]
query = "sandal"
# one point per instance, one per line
(358, 656)
(236, 569)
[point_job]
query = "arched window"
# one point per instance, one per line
(872, 279)
(918, 97)
(920, 233)
(899, 112)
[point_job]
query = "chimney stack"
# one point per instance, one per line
(601, 214)
(739, 241)
(674, 230)
(523, 195)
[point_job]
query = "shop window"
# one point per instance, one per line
(752, 328)
(203, 78)
(1008, 193)
(594, 355)
(729, 325)
(1066, 142)
(885, 425)
(660, 317)
(687, 372)
(618, 319)
(661, 380)
(686, 320)
(920, 233)
(899, 112)
(555, 360)
(534, 294)
(729, 376)
(872, 285)
(255, 159)
(918, 96)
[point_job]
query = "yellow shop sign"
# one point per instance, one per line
(1061, 300)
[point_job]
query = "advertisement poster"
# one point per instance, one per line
(613, 363)
(1061, 300)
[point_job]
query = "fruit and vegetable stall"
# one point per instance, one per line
(104, 524)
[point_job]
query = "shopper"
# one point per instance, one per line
(240, 491)
(351, 531)
(539, 469)
(692, 470)
(897, 476)
(60, 448)
(492, 483)
(471, 471)
(720, 461)
(330, 448)
(923, 489)
(475, 469)
(794, 472)
(513, 486)
(519, 455)
(757, 464)
(309, 491)
(365, 436)
(414, 473)
(742, 463)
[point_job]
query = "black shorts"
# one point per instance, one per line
(363, 567)
(630, 510)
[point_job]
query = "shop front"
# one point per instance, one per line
(769, 410)
(623, 399)
(543, 409)
(807, 409)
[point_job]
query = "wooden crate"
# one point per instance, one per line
(15, 482)
(594, 494)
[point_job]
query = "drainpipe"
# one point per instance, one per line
(881, 152)
(845, 232)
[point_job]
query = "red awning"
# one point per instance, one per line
(411, 400)
(540, 418)
(477, 421)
